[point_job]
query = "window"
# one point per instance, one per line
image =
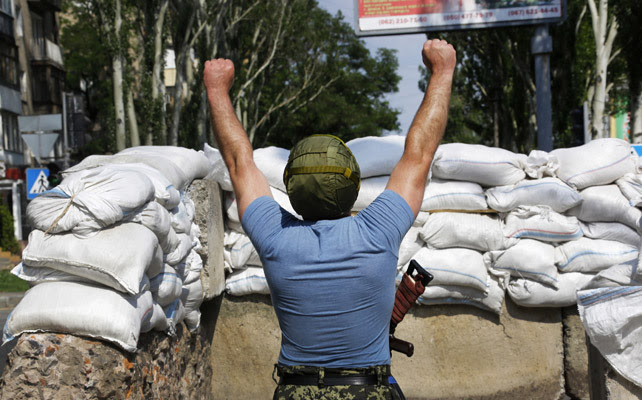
(8, 64)
(11, 140)
(5, 7)
(38, 28)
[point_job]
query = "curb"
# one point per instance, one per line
(10, 299)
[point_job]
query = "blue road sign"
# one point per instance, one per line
(37, 182)
(637, 148)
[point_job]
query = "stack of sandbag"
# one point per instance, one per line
(113, 250)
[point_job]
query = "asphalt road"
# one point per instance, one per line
(4, 313)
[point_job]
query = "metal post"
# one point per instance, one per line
(65, 163)
(541, 48)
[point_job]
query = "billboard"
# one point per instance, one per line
(385, 17)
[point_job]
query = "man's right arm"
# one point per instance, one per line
(408, 179)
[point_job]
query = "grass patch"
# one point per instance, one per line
(11, 283)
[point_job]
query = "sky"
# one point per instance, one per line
(408, 47)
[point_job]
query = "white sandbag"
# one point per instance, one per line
(529, 258)
(598, 162)
(272, 161)
(185, 244)
(550, 192)
(453, 195)
(157, 320)
(170, 170)
(529, 293)
(606, 204)
(158, 220)
(370, 189)
(81, 309)
(175, 314)
(192, 296)
(631, 187)
(626, 274)
(218, 172)
(248, 281)
(541, 223)
(610, 231)
(421, 219)
(454, 267)
(90, 200)
(192, 268)
(377, 155)
(592, 255)
(488, 166)
(410, 245)
(167, 286)
(181, 219)
(280, 197)
(38, 275)
(612, 318)
(193, 163)
(193, 320)
(164, 191)
(472, 231)
(492, 301)
(118, 256)
(239, 251)
(540, 164)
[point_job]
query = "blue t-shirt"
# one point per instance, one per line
(332, 282)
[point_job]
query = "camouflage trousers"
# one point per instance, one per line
(383, 390)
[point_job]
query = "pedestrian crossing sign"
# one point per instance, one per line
(37, 181)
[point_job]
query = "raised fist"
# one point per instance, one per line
(439, 56)
(218, 74)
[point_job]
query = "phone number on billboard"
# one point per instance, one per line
(402, 20)
(455, 17)
(534, 11)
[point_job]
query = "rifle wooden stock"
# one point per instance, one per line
(401, 346)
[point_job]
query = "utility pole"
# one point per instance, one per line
(541, 48)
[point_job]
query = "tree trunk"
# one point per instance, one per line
(117, 74)
(604, 35)
(158, 86)
(131, 119)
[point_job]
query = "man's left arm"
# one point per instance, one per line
(248, 181)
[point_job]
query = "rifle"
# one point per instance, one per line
(409, 290)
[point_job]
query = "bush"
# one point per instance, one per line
(8, 240)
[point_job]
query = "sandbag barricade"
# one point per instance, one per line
(113, 252)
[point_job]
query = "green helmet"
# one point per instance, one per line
(322, 178)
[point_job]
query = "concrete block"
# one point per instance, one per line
(460, 352)
(208, 204)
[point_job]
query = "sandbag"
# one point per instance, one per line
(631, 187)
(167, 286)
(454, 267)
(81, 309)
(598, 162)
(218, 171)
(169, 169)
(626, 274)
(248, 281)
(158, 220)
(488, 166)
(192, 296)
(540, 164)
(370, 189)
(272, 161)
(529, 293)
(472, 231)
(165, 193)
(232, 213)
(462, 295)
(541, 223)
(239, 251)
(182, 216)
(606, 204)
(410, 245)
(612, 318)
(377, 155)
(117, 257)
(610, 231)
(90, 200)
(185, 245)
(192, 163)
(529, 258)
(175, 314)
(192, 268)
(453, 195)
(550, 192)
(592, 255)
(193, 320)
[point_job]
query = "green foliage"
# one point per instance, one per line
(8, 240)
(11, 283)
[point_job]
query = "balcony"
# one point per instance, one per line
(47, 51)
(6, 26)
(43, 5)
